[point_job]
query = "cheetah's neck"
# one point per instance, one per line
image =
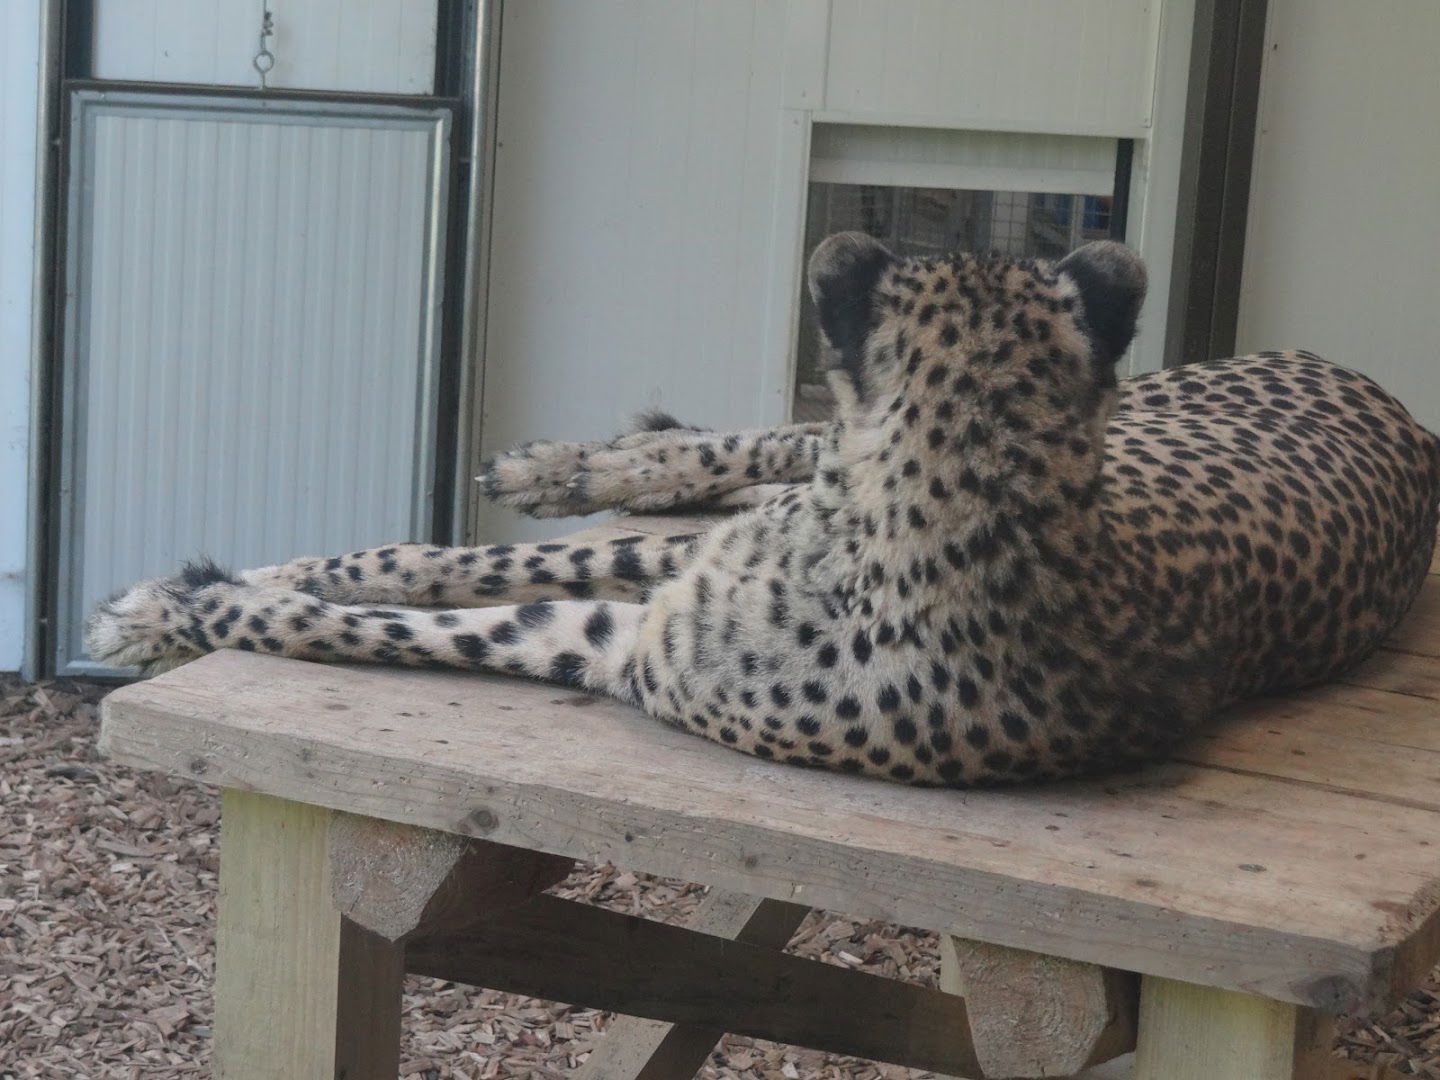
(916, 523)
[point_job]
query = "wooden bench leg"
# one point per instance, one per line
(1192, 1032)
(301, 993)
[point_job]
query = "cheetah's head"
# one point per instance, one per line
(984, 332)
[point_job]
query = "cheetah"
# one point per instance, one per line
(998, 563)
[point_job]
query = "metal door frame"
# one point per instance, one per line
(1216, 158)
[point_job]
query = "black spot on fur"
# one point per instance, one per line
(472, 647)
(566, 668)
(599, 627)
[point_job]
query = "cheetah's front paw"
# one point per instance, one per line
(563, 479)
(540, 479)
(638, 479)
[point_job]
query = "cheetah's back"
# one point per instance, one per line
(1288, 504)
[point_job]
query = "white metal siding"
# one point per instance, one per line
(1020, 65)
(1343, 250)
(19, 77)
(383, 46)
(251, 335)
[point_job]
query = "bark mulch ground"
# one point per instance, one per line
(107, 910)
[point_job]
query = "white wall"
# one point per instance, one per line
(383, 46)
(648, 198)
(1342, 254)
(1017, 65)
(650, 175)
(19, 83)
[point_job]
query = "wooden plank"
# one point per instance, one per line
(636, 1048)
(399, 881)
(1198, 1033)
(1384, 716)
(1398, 672)
(1123, 1068)
(1338, 1069)
(1419, 633)
(1245, 882)
(369, 980)
(561, 950)
(1033, 1015)
(1362, 742)
(301, 993)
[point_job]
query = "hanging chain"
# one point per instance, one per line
(265, 59)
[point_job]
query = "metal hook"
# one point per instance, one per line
(264, 60)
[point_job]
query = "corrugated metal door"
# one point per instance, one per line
(251, 329)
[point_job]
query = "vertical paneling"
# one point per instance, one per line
(381, 46)
(1022, 65)
(1344, 224)
(638, 160)
(19, 77)
(249, 340)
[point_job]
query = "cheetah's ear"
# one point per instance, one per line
(1111, 279)
(843, 273)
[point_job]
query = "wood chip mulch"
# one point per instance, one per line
(107, 909)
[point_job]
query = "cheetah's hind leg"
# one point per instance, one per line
(748, 498)
(149, 626)
(626, 568)
(159, 624)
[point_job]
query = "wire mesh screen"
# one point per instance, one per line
(936, 221)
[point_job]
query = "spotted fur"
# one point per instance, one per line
(997, 564)
(661, 466)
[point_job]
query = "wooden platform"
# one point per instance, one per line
(1291, 852)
